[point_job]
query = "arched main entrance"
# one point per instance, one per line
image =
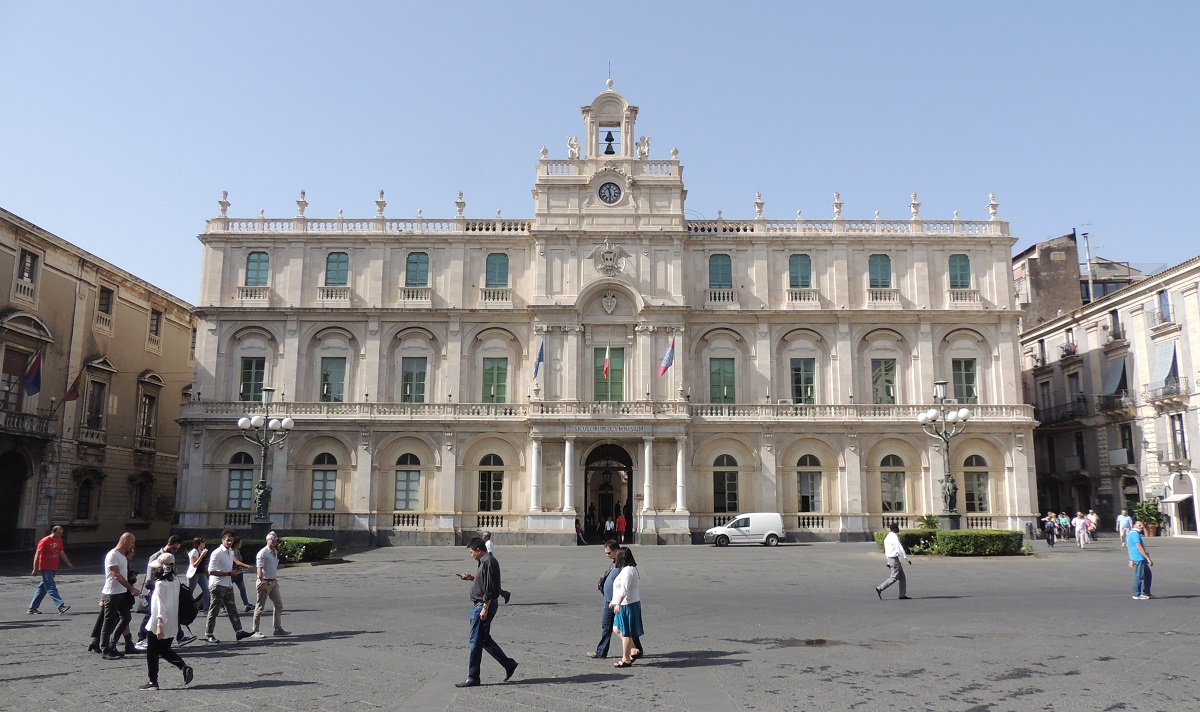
(14, 473)
(608, 485)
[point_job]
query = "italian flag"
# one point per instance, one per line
(606, 348)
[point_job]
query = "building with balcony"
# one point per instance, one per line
(456, 374)
(95, 364)
(1112, 383)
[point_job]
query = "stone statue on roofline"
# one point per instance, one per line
(572, 147)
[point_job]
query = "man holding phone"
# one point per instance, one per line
(484, 592)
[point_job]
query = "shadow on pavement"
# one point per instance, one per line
(256, 685)
(588, 677)
(689, 659)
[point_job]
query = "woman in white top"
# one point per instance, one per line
(164, 621)
(627, 607)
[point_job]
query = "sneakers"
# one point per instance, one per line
(63, 609)
(210, 638)
(1144, 597)
(149, 686)
(256, 635)
(243, 634)
(188, 673)
(281, 631)
(33, 612)
(142, 645)
(249, 608)
(186, 639)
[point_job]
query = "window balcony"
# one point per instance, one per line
(253, 295)
(333, 296)
(26, 424)
(883, 298)
(406, 519)
(495, 296)
(92, 436)
(969, 298)
(321, 520)
(1175, 390)
(720, 298)
(154, 343)
(1121, 401)
(104, 322)
(25, 291)
(1076, 409)
(146, 443)
(803, 298)
(416, 297)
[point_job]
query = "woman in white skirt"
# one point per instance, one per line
(627, 607)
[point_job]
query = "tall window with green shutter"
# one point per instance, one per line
(337, 269)
(496, 276)
(804, 376)
(495, 380)
(416, 272)
(253, 372)
(880, 271)
(408, 482)
(720, 381)
(258, 265)
(412, 379)
(720, 272)
(333, 379)
(324, 482)
(883, 381)
(799, 272)
(960, 272)
(613, 387)
(966, 388)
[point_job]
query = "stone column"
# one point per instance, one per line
(647, 474)
(535, 474)
(680, 482)
(569, 476)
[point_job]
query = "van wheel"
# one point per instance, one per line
(722, 540)
(772, 540)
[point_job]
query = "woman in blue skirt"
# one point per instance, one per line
(627, 607)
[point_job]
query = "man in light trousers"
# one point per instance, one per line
(267, 586)
(893, 550)
(220, 589)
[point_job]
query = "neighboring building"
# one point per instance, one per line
(88, 438)
(406, 351)
(1112, 383)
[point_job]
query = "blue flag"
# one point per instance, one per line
(540, 357)
(31, 380)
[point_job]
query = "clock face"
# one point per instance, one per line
(610, 193)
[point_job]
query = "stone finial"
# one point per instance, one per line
(674, 153)
(380, 205)
(877, 216)
(497, 213)
(992, 206)
(837, 206)
(262, 214)
(460, 204)
(340, 215)
(545, 152)
(301, 204)
(419, 215)
(758, 204)
(224, 203)
(956, 215)
(609, 83)
(915, 207)
(799, 216)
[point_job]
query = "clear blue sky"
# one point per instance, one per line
(123, 122)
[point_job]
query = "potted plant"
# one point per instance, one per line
(1146, 511)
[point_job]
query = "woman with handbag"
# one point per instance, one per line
(164, 621)
(627, 608)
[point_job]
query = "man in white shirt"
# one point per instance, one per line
(267, 586)
(893, 550)
(116, 588)
(220, 588)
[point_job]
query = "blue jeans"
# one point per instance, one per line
(1142, 577)
(606, 626)
(46, 586)
(201, 580)
(481, 640)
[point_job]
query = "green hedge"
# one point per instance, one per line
(957, 542)
(292, 549)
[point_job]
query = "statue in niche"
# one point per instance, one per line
(643, 147)
(572, 147)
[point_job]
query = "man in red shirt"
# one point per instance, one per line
(621, 523)
(45, 562)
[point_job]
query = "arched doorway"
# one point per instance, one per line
(14, 473)
(608, 485)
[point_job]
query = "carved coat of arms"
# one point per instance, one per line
(609, 259)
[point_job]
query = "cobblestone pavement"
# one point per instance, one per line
(794, 627)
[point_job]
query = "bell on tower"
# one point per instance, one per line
(608, 148)
(607, 121)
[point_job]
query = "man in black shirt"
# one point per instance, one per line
(484, 593)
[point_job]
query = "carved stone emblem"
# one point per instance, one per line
(609, 259)
(609, 302)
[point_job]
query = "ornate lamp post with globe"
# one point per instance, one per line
(264, 431)
(944, 422)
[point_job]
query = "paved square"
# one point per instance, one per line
(795, 627)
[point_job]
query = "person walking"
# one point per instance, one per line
(267, 586)
(579, 538)
(1050, 528)
(164, 619)
(610, 529)
(1124, 524)
(491, 549)
(45, 564)
(607, 579)
(174, 542)
(220, 589)
(197, 571)
(621, 528)
(1140, 562)
(238, 567)
(118, 590)
(627, 608)
(1093, 525)
(1080, 524)
(484, 592)
(1065, 531)
(893, 550)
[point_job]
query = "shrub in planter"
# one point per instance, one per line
(299, 548)
(913, 540)
(978, 542)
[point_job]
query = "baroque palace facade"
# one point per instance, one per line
(801, 353)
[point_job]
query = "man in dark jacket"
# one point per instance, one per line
(484, 593)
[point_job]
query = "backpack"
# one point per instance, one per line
(188, 608)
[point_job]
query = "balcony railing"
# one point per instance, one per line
(1120, 457)
(979, 521)
(720, 297)
(883, 297)
(104, 322)
(1172, 388)
(154, 342)
(489, 521)
(333, 294)
(495, 296)
(803, 297)
(810, 521)
(1078, 408)
(965, 297)
(93, 436)
(415, 294)
(27, 424)
(253, 294)
(146, 443)
(237, 519)
(25, 290)
(321, 519)
(1116, 401)
(406, 519)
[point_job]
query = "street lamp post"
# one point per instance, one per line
(264, 431)
(944, 422)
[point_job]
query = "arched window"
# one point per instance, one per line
(324, 482)
(720, 272)
(880, 268)
(799, 272)
(975, 475)
(891, 483)
(808, 484)
(960, 272)
(497, 271)
(337, 269)
(258, 265)
(83, 499)
(491, 483)
(725, 484)
(140, 508)
(416, 273)
(408, 482)
(241, 481)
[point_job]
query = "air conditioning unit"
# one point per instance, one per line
(784, 401)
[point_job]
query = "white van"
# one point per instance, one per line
(753, 528)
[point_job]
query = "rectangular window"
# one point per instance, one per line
(408, 485)
(1126, 431)
(880, 267)
(337, 269)
(1051, 455)
(720, 381)
(147, 416)
(28, 267)
(1178, 437)
(333, 379)
(1044, 400)
(892, 491)
(104, 303)
(155, 322)
(416, 272)
(960, 272)
(497, 271)
(241, 489)
(804, 375)
(883, 381)
(1080, 450)
(1073, 391)
(808, 485)
(720, 272)
(253, 374)
(612, 387)
(258, 265)
(1041, 353)
(725, 492)
(324, 489)
(1164, 306)
(491, 490)
(977, 491)
(800, 272)
(495, 380)
(412, 379)
(966, 389)
(13, 393)
(93, 418)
